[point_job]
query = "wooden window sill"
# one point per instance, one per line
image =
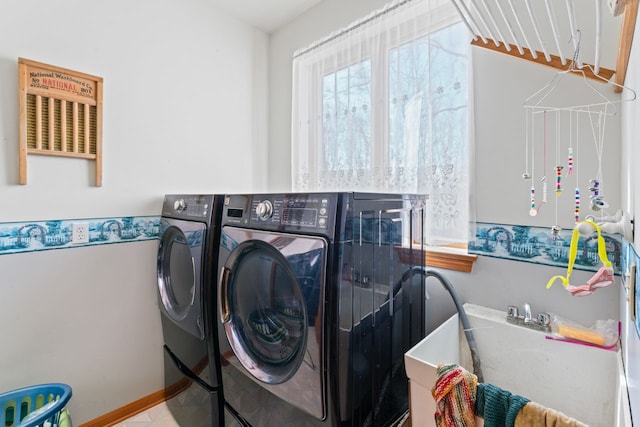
(450, 259)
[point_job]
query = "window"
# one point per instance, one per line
(346, 118)
(384, 106)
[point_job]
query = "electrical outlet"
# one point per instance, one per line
(80, 232)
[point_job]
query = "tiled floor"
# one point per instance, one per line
(158, 416)
(190, 403)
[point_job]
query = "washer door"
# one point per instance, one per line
(179, 273)
(264, 311)
(263, 305)
(271, 307)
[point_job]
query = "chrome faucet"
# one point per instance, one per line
(527, 313)
(542, 322)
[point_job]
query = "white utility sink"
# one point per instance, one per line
(585, 383)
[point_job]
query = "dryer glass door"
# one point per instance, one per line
(268, 303)
(179, 271)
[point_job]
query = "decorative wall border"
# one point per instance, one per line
(31, 236)
(529, 244)
(631, 260)
(537, 245)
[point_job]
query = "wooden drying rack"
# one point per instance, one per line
(60, 114)
(626, 37)
(622, 61)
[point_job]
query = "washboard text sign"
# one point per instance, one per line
(60, 114)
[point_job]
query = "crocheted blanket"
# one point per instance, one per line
(459, 398)
(455, 396)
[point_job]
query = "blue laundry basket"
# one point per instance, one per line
(38, 405)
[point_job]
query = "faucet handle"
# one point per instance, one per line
(512, 311)
(544, 319)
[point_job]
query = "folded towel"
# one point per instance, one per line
(455, 396)
(459, 398)
(536, 415)
(498, 407)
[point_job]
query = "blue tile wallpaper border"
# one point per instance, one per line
(537, 245)
(630, 260)
(31, 236)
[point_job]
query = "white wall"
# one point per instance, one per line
(184, 111)
(631, 201)
(180, 82)
(501, 86)
(630, 135)
(85, 317)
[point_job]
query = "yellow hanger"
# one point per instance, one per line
(573, 251)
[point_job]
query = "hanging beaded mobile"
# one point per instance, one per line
(558, 180)
(532, 195)
(570, 161)
(577, 190)
(595, 188)
(577, 206)
(533, 211)
(555, 230)
(597, 201)
(526, 175)
(558, 167)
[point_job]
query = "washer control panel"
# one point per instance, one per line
(282, 211)
(295, 210)
(264, 210)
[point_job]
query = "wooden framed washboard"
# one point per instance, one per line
(60, 114)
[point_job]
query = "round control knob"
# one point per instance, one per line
(179, 205)
(264, 210)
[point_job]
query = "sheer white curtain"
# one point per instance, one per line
(384, 106)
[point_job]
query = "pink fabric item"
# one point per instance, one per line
(579, 291)
(602, 279)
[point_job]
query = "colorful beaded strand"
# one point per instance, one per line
(595, 188)
(577, 206)
(533, 211)
(558, 180)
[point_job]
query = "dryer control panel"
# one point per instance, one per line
(188, 206)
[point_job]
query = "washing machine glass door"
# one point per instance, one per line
(263, 309)
(179, 266)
